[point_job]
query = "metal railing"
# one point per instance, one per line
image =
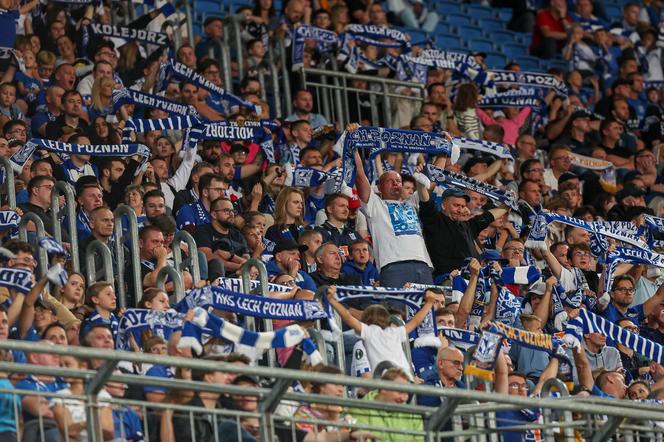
(191, 262)
(339, 100)
(178, 286)
(261, 290)
(131, 238)
(40, 233)
(9, 186)
(234, 21)
(63, 188)
(469, 410)
(97, 247)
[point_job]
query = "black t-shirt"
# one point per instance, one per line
(54, 129)
(620, 150)
(233, 241)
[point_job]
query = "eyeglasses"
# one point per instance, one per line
(581, 254)
(454, 362)
(290, 282)
(624, 289)
(517, 386)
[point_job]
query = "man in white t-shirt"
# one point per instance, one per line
(400, 252)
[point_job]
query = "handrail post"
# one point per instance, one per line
(235, 23)
(225, 60)
(264, 291)
(40, 232)
(190, 23)
(63, 188)
(192, 260)
(92, 389)
(178, 285)
(132, 233)
(285, 76)
(276, 95)
(10, 184)
(567, 415)
(94, 247)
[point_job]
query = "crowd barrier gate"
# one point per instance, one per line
(98, 247)
(191, 262)
(62, 188)
(131, 238)
(40, 232)
(176, 278)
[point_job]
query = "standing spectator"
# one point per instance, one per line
(303, 104)
(335, 228)
(465, 107)
(213, 29)
(550, 32)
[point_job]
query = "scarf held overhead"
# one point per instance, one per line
(16, 279)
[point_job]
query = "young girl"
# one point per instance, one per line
(464, 111)
(381, 340)
(71, 294)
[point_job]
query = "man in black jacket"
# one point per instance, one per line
(329, 263)
(449, 238)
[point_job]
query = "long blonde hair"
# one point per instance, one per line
(281, 203)
(95, 95)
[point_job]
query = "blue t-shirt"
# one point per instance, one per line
(158, 371)
(8, 403)
(127, 424)
(512, 418)
(634, 314)
(95, 318)
(31, 383)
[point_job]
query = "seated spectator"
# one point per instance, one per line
(448, 373)
(313, 239)
(211, 186)
(101, 299)
(328, 269)
(303, 104)
(335, 229)
(287, 260)
(359, 263)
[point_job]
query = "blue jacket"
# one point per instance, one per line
(369, 275)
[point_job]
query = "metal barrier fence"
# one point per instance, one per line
(63, 189)
(468, 412)
(9, 186)
(346, 97)
(124, 212)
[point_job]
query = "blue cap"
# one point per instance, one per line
(453, 191)
(493, 255)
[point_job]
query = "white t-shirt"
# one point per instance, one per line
(396, 231)
(550, 180)
(76, 408)
(384, 344)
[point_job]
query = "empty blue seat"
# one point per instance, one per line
(490, 24)
(480, 45)
(478, 12)
(501, 36)
(470, 32)
(443, 28)
(495, 61)
(613, 12)
(444, 8)
(504, 14)
(448, 42)
(459, 20)
(207, 6)
(529, 63)
(514, 50)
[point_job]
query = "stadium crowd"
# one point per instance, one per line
(589, 149)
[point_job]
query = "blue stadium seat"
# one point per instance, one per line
(207, 6)
(448, 42)
(513, 50)
(480, 45)
(470, 32)
(490, 24)
(443, 28)
(505, 14)
(459, 20)
(478, 12)
(496, 61)
(447, 7)
(502, 36)
(528, 63)
(417, 36)
(613, 12)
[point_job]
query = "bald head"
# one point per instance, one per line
(450, 366)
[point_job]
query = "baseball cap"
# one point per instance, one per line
(288, 244)
(46, 306)
(453, 191)
(493, 255)
(621, 82)
(537, 288)
(566, 177)
(582, 113)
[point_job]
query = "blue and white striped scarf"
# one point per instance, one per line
(530, 79)
(235, 285)
(140, 125)
(16, 279)
(52, 246)
(205, 323)
(131, 34)
(187, 74)
(308, 177)
(588, 322)
(325, 42)
(65, 149)
(448, 178)
(495, 149)
(629, 255)
(251, 305)
(541, 223)
(521, 97)
(9, 219)
(139, 98)
(461, 338)
(135, 322)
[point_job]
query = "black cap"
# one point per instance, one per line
(247, 378)
(289, 244)
(621, 82)
(630, 189)
(566, 177)
(582, 113)
(46, 306)
(479, 53)
(238, 147)
(212, 20)
(476, 160)
(455, 192)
